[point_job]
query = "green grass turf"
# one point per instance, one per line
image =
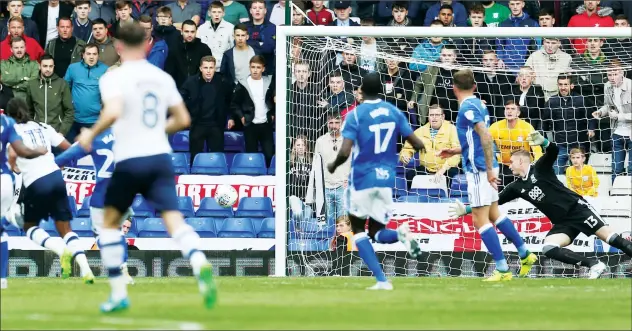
(324, 303)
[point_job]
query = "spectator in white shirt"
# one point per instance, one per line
(277, 14)
(216, 32)
(253, 105)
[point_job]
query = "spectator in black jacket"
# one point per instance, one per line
(529, 97)
(304, 114)
(206, 98)
(6, 94)
(164, 28)
(253, 104)
(46, 13)
(492, 86)
(398, 84)
(570, 119)
(124, 16)
(184, 59)
(351, 73)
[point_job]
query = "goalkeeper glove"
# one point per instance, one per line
(535, 138)
(456, 209)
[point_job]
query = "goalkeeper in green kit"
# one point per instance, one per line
(569, 213)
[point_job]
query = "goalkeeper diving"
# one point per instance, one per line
(569, 212)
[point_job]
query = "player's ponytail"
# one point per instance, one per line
(18, 110)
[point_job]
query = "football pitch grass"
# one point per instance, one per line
(339, 303)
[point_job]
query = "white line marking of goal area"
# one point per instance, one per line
(149, 323)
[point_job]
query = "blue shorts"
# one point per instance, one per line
(47, 197)
(151, 176)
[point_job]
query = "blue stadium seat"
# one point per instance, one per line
(73, 206)
(236, 228)
(234, 141)
(181, 141)
(152, 228)
(205, 227)
(49, 227)
(272, 169)
(210, 208)
(260, 207)
(401, 187)
(308, 245)
(252, 164)
(210, 164)
(229, 158)
(458, 188)
(185, 206)
(84, 211)
(142, 208)
(267, 228)
(180, 163)
(82, 227)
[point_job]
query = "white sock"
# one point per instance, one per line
(72, 242)
(189, 241)
(112, 251)
(40, 237)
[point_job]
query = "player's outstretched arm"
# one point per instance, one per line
(22, 150)
(551, 150)
(75, 152)
(418, 145)
(179, 119)
(343, 155)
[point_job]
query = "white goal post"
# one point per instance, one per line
(283, 82)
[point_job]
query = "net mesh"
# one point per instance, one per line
(417, 75)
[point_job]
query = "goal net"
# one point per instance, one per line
(533, 74)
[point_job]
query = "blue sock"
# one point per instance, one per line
(4, 254)
(386, 236)
(490, 238)
(509, 230)
(366, 252)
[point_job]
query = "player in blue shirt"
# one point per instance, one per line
(8, 135)
(481, 170)
(103, 159)
(370, 135)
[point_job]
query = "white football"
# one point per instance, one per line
(226, 196)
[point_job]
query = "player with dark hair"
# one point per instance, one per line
(569, 212)
(139, 105)
(481, 169)
(370, 134)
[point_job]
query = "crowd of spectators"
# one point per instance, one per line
(221, 55)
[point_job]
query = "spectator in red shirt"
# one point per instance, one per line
(319, 14)
(590, 15)
(16, 29)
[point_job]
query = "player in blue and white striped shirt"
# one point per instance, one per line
(481, 170)
(370, 135)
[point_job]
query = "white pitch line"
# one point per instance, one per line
(152, 323)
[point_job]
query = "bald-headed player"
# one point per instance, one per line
(569, 212)
(370, 134)
(136, 99)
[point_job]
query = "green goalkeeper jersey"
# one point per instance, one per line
(496, 14)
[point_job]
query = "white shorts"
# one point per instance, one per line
(376, 203)
(480, 192)
(6, 194)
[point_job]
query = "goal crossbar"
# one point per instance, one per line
(283, 80)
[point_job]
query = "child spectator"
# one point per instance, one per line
(300, 167)
(342, 245)
(581, 178)
(319, 14)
